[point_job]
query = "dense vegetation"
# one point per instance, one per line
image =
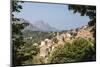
(86, 10)
(79, 50)
(21, 51)
(38, 36)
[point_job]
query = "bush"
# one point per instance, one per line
(79, 50)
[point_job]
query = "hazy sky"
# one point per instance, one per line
(56, 15)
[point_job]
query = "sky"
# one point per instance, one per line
(56, 15)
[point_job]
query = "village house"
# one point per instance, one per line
(45, 47)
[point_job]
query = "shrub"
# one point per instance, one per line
(27, 53)
(79, 50)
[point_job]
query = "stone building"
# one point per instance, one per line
(85, 32)
(45, 47)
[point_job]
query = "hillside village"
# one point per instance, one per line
(48, 45)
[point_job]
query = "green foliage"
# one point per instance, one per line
(22, 52)
(17, 42)
(79, 50)
(90, 11)
(15, 6)
(28, 52)
(85, 10)
(37, 36)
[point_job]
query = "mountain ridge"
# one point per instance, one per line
(38, 26)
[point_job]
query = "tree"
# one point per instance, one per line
(15, 8)
(17, 43)
(79, 50)
(85, 10)
(17, 38)
(22, 51)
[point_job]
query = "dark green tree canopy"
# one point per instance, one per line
(15, 6)
(84, 10)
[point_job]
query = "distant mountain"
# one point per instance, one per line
(42, 26)
(37, 26)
